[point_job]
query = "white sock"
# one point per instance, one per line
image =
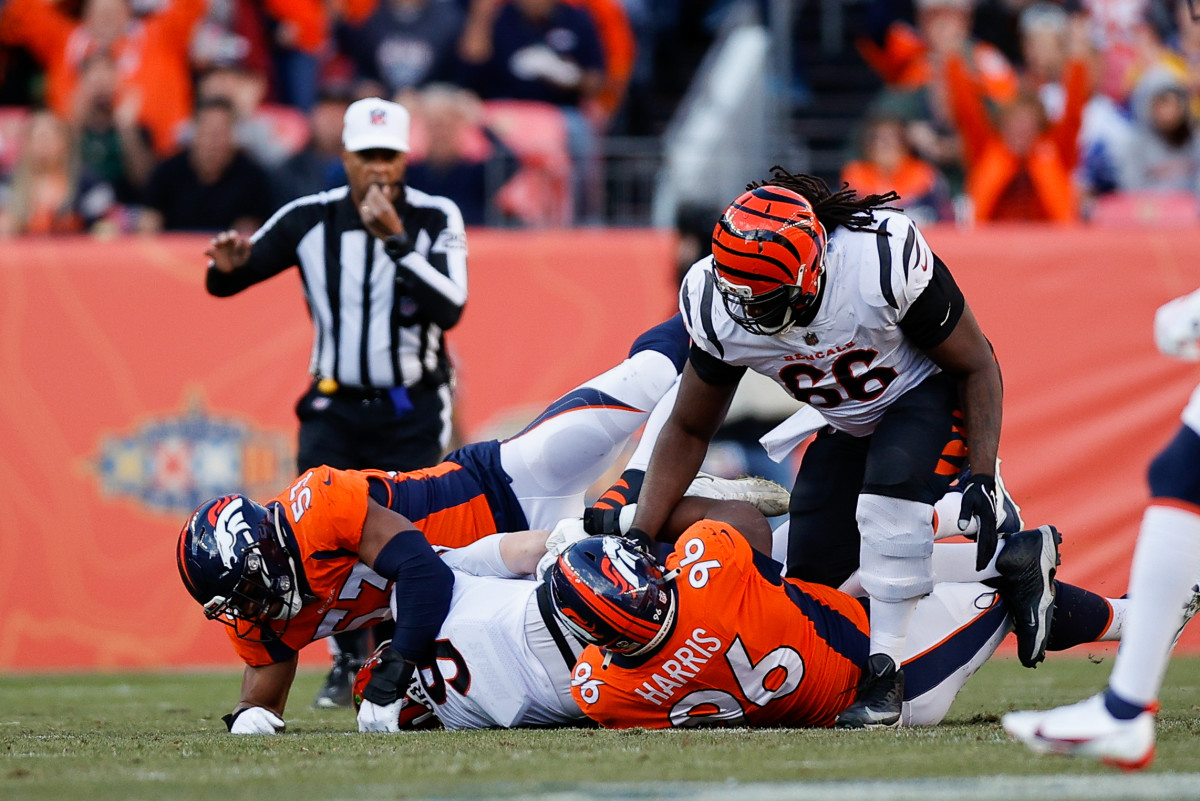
(1166, 563)
(945, 517)
(889, 626)
(1116, 626)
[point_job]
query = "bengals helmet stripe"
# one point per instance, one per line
(769, 258)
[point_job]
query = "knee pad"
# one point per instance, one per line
(1175, 472)
(896, 553)
(669, 338)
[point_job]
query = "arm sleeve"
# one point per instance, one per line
(712, 370)
(421, 595)
(273, 250)
(936, 311)
(438, 283)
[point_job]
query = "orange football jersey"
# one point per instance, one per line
(325, 510)
(748, 648)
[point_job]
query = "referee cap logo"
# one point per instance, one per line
(374, 123)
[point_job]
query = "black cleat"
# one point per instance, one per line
(879, 699)
(338, 689)
(1027, 566)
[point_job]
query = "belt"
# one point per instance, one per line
(330, 386)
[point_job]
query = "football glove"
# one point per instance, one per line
(979, 502)
(254, 720)
(384, 694)
(1177, 328)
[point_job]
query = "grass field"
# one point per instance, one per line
(159, 736)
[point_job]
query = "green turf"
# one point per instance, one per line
(159, 735)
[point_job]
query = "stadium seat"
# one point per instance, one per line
(540, 193)
(13, 121)
(1147, 209)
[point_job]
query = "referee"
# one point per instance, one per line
(384, 270)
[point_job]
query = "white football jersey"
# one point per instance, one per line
(495, 664)
(853, 360)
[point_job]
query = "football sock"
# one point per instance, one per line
(623, 492)
(1119, 708)
(889, 626)
(1166, 563)
(1080, 616)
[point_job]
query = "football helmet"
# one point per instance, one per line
(608, 592)
(234, 560)
(769, 259)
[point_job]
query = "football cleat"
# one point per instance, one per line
(1008, 514)
(880, 697)
(1087, 729)
(763, 494)
(335, 693)
(1027, 565)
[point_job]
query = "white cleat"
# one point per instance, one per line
(1189, 611)
(763, 494)
(1087, 729)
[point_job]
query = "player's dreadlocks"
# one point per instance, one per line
(842, 207)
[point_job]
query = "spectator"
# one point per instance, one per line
(210, 186)
(1019, 169)
(910, 61)
(319, 165)
(542, 50)
(1120, 32)
(245, 90)
(115, 153)
(1164, 151)
(888, 164)
(301, 35)
(40, 199)
(151, 54)
(449, 116)
(405, 44)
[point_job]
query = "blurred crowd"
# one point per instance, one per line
(147, 115)
(1029, 110)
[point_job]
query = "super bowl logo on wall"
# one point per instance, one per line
(175, 462)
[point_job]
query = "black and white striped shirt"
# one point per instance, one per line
(377, 323)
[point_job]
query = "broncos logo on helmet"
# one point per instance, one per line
(769, 259)
(607, 592)
(234, 560)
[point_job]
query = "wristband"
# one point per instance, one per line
(397, 246)
(389, 680)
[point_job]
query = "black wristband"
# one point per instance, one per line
(231, 717)
(389, 681)
(643, 540)
(397, 246)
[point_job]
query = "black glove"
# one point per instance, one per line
(979, 501)
(389, 679)
(642, 539)
(599, 521)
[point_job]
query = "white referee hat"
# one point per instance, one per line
(375, 123)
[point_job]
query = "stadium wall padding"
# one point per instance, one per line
(131, 395)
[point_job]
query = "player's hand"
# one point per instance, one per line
(1177, 328)
(384, 694)
(979, 502)
(228, 251)
(566, 533)
(378, 214)
(379, 717)
(254, 720)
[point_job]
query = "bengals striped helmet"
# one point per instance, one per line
(609, 593)
(769, 258)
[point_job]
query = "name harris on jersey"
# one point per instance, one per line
(674, 673)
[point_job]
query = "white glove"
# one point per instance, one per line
(257, 720)
(374, 718)
(1177, 328)
(566, 533)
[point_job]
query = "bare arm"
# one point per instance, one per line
(967, 356)
(681, 447)
(267, 686)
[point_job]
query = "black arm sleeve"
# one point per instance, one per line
(424, 585)
(712, 370)
(934, 314)
(273, 250)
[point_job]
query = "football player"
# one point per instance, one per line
(720, 637)
(341, 549)
(1117, 725)
(840, 300)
